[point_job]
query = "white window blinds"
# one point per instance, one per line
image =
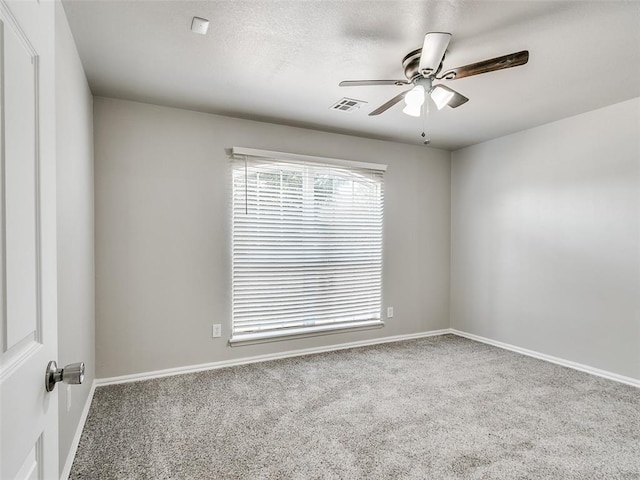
(307, 246)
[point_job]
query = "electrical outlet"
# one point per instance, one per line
(389, 312)
(216, 330)
(68, 397)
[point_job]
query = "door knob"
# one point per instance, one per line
(72, 373)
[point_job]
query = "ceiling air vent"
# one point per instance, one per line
(347, 105)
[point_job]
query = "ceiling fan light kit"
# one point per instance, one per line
(413, 110)
(442, 96)
(423, 66)
(415, 96)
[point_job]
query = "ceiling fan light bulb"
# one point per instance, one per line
(415, 96)
(441, 96)
(412, 110)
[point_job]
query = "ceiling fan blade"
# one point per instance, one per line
(365, 83)
(443, 95)
(386, 106)
(433, 49)
(498, 63)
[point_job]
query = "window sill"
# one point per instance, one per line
(268, 337)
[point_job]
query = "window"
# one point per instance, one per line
(307, 245)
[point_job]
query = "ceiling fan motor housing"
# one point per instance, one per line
(411, 66)
(410, 63)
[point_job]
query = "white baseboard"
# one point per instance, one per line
(76, 438)
(136, 377)
(309, 351)
(548, 358)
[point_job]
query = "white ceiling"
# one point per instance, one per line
(281, 61)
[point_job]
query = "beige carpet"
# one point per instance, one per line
(435, 408)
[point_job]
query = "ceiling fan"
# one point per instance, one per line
(424, 65)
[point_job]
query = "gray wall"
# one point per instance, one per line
(546, 242)
(74, 152)
(163, 233)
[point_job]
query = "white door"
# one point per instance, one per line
(28, 337)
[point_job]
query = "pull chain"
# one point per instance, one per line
(425, 113)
